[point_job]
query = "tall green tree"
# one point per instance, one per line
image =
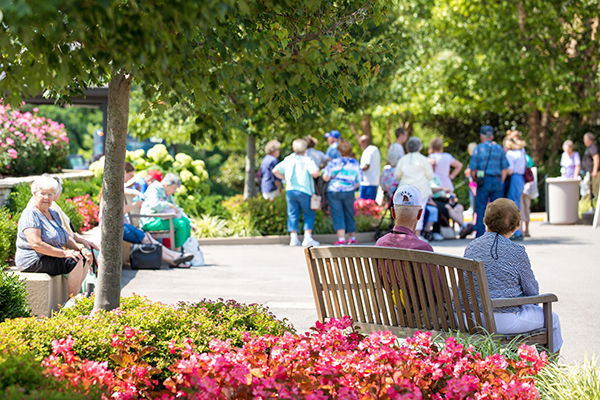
(213, 55)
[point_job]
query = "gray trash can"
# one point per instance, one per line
(562, 200)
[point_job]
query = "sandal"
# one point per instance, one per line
(182, 259)
(181, 265)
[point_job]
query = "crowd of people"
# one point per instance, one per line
(494, 171)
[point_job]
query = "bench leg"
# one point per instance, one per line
(549, 325)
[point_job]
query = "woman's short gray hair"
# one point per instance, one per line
(414, 144)
(299, 146)
(171, 179)
(45, 183)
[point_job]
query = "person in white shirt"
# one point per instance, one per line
(396, 150)
(442, 163)
(414, 169)
(370, 164)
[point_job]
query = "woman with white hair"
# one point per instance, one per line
(570, 162)
(159, 200)
(414, 169)
(298, 171)
(43, 244)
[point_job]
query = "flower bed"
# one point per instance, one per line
(30, 144)
(332, 362)
(87, 209)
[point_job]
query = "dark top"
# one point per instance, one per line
(588, 160)
(267, 179)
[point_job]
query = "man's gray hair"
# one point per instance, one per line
(45, 183)
(171, 179)
(414, 144)
(299, 146)
(589, 136)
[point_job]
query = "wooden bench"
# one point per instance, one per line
(405, 291)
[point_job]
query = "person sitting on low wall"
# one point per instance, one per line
(43, 244)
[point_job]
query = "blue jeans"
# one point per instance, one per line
(299, 202)
(368, 192)
(515, 191)
(490, 190)
(132, 234)
(342, 210)
(515, 188)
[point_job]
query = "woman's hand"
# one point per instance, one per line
(74, 254)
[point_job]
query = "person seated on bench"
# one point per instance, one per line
(406, 212)
(509, 272)
(159, 200)
(43, 244)
(135, 235)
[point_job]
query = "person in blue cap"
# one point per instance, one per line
(489, 168)
(333, 139)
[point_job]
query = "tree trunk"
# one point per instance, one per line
(562, 123)
(537, 123)
(389, 136)
(108, 289)
(249, 185)
(365, 125)
(354, 130)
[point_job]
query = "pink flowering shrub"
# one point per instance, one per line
(88, 209)
(332, 362)
(368, 208)
(30, 144)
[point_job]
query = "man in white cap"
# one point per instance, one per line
(406, 211)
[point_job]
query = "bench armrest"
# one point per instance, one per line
(519, 301)
(163, 216)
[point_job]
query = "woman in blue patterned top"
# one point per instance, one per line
(509, 272)
(343, 175)
(43, 244)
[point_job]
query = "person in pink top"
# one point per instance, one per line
(406, 212)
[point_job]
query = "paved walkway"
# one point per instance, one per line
(565, 259)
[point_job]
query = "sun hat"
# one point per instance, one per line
(155, 174)
(407, 195)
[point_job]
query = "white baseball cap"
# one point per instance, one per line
(407, 195)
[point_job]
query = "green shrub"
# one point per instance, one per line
(240, 225)
(268, 217)
(208, 226)
(79, 187)
(204, 205)
(200, 321)
(323, 223)
(8, 235)
(19, 198)
(567, 382)
(365, 223)
(22, 378)
(13, 296)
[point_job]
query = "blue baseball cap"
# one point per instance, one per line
(334, 134)
(486, 130)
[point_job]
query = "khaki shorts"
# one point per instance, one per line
(525, 207)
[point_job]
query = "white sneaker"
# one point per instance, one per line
(295, 242)
(310, 242)
(437, 236)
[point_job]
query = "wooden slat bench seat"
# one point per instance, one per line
(404, 291)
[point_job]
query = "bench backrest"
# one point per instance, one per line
(400, 288)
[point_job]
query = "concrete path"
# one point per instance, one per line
(565, 259)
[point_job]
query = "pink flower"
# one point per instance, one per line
(12, 153)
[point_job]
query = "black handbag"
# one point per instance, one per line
(145, 256)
